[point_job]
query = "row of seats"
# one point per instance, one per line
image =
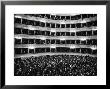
(59, 17)
(57, 58)
(55, 41)
(54, 25)
(57, 49)
(49, 33)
